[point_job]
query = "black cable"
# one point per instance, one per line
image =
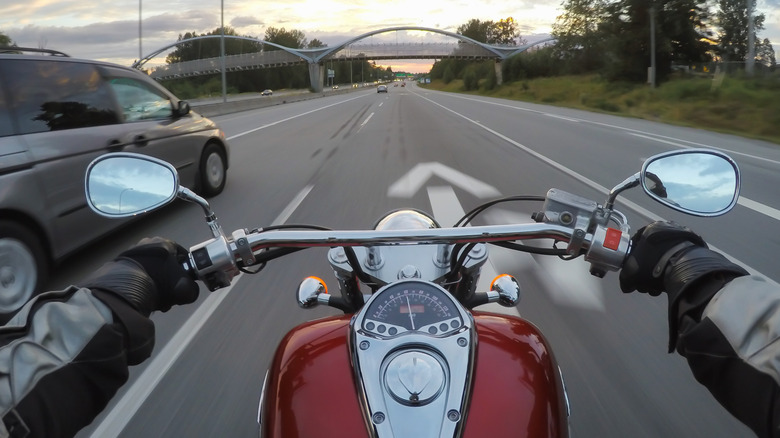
(479, 209)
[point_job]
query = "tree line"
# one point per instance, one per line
(612, 38)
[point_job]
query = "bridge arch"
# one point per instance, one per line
(316, 57)
(297, 52)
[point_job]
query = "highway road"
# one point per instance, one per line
(332, 161)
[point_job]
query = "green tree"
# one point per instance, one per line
(210, 48)
(294, 39)
(580, 41)
(733, 23)
(477, 30)
(5, 40)
(315, 43)
(765, 53)
(680, 31)
(505, 32)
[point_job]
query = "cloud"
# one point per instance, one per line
(246, 21)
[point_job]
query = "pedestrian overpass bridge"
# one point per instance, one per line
(459, 47)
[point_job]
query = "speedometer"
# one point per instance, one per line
(412, 306)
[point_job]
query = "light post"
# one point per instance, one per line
(140, 49)
(222, 53)
(652, 46)
(750, 62)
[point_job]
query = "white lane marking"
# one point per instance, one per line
(755, 157)
(641, 210)
(761, 208)
(292, 206)
(661, 139)
(446, 209)
(116, 420)
(380, 104)
(292, 117)
(367, 119)
(745, 202)
(561, 117)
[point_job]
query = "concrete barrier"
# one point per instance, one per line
(234, 104)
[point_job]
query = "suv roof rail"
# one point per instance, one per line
(14, 49)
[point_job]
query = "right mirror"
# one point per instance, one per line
(695, 181)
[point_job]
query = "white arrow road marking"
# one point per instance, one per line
(413, 181)
(447, 210)
(567, 282)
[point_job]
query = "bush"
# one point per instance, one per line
(470, 80)
(448, 75)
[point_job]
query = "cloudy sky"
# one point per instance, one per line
(108, 29)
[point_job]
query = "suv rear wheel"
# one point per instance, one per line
(23, 265)
(213, 170)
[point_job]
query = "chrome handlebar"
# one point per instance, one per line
(216, 261)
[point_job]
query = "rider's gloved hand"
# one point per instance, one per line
(150, 276)
(651, 249)
(669, 257)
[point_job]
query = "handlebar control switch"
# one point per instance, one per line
(607, 251)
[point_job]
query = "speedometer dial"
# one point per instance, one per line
(412, 306)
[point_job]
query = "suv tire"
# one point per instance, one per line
(23, 265)
(213, 170)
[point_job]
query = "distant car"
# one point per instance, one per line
(267, 93)
(395, 85)
(403, 84)
(381, 89)
(56, 115)
(335, 87)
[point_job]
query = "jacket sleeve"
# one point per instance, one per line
(63, 357)
(733, 348)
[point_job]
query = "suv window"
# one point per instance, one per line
(51, 95)
(140, 101)
(6, 127)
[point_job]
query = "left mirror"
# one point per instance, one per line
(125, 184)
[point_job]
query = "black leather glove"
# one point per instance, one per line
(150, 276)
(651, 249)
(669, 257)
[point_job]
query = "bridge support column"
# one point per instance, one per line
(499, 72)
(317, 76)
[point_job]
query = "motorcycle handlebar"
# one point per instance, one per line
(217, 261)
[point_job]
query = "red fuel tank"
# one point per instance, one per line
(517, 389)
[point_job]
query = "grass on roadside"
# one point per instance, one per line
(741, 106)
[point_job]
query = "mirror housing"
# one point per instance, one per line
(183, 108)
(699, 182)
(125, 184)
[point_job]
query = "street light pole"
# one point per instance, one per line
(750, 62)
(652, 46)
(222, 53)
(140, 49)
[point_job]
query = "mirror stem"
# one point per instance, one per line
(629, 182)
(188, 195)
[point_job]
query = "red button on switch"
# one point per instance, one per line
(612, 239)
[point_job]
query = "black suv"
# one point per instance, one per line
(56, 115)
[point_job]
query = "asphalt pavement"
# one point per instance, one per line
(331, 161)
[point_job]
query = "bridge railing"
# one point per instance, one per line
(277, 58)
(412, 50)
